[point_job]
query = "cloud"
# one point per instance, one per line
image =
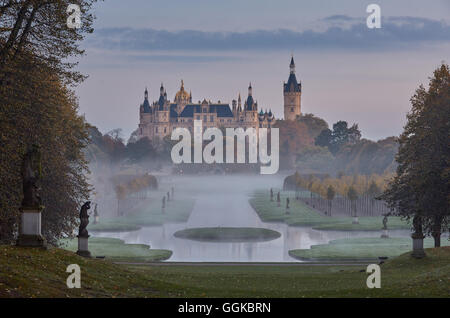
(342, 32)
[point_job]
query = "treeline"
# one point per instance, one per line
(111, 148)
(308, 144)
(132, 191)
(344, 195)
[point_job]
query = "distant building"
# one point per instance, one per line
(159, 118)
(292, 92)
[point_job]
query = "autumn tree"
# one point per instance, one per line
(37, 108)
(330, 196)
(420, 189)
(40, 26)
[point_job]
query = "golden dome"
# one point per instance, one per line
(182, 94)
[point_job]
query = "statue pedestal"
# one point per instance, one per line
(30, 228)
(418, 251)
(385, 234)
(83, 248)
(355, 220)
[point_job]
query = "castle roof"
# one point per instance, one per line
(146, 106)
(222, 110)
(292, 85)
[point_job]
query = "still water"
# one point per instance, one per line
(223, 201)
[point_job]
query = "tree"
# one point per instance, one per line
(339, 137)
(37, 108)
(373, 192)
(330, 196)
(140, 150)
(41, 27)
(314, 124)
(420, 189)
(293, 138)
(324, 138)
(352, 195)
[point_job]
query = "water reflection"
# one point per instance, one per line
(223, 201)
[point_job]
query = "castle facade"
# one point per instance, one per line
(158, 119)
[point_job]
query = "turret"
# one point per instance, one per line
(292, 91)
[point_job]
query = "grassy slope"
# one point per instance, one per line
(116, 250)
(301, 214)
(228, 234)
(33, 272)
(357, 248)
(147, 215)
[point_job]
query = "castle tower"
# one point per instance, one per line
(292, 91)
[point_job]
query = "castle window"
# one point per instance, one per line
(156, 129)
(198, 117)
(221, 120)
(205, 118)
(292, 109)
(211, 118)
(165, 129)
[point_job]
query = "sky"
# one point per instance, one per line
(348, 72)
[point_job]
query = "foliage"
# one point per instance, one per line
(294, 137)
(315, 125)
(36, 107)
(421, 186)
(41, 27)
(339, 137)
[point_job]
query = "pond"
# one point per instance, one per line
(222, 201)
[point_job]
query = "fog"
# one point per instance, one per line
(222, 201)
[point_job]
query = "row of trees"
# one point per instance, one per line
(348, 195)
(133, 191)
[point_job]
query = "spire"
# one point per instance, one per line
(292, 65)
(250, 89)
(182, 85)
(161, 89)
(146, 93)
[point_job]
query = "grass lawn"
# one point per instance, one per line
(228, 234)
(177, 211)
(359, 248)
(26, 272)
(301, 214)
(116, 250)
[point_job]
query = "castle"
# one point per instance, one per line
(158, 119)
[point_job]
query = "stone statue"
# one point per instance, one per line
(287, 203)
(31, 173)
(168, 196)
(278, 198)
(163, 202)
(271, 194)
(385, 220)
(84, 220)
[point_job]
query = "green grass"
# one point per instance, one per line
(116, 250)
(359, 248)
(228, 234)
(26, 272)
(301, 214)
(150, 214)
